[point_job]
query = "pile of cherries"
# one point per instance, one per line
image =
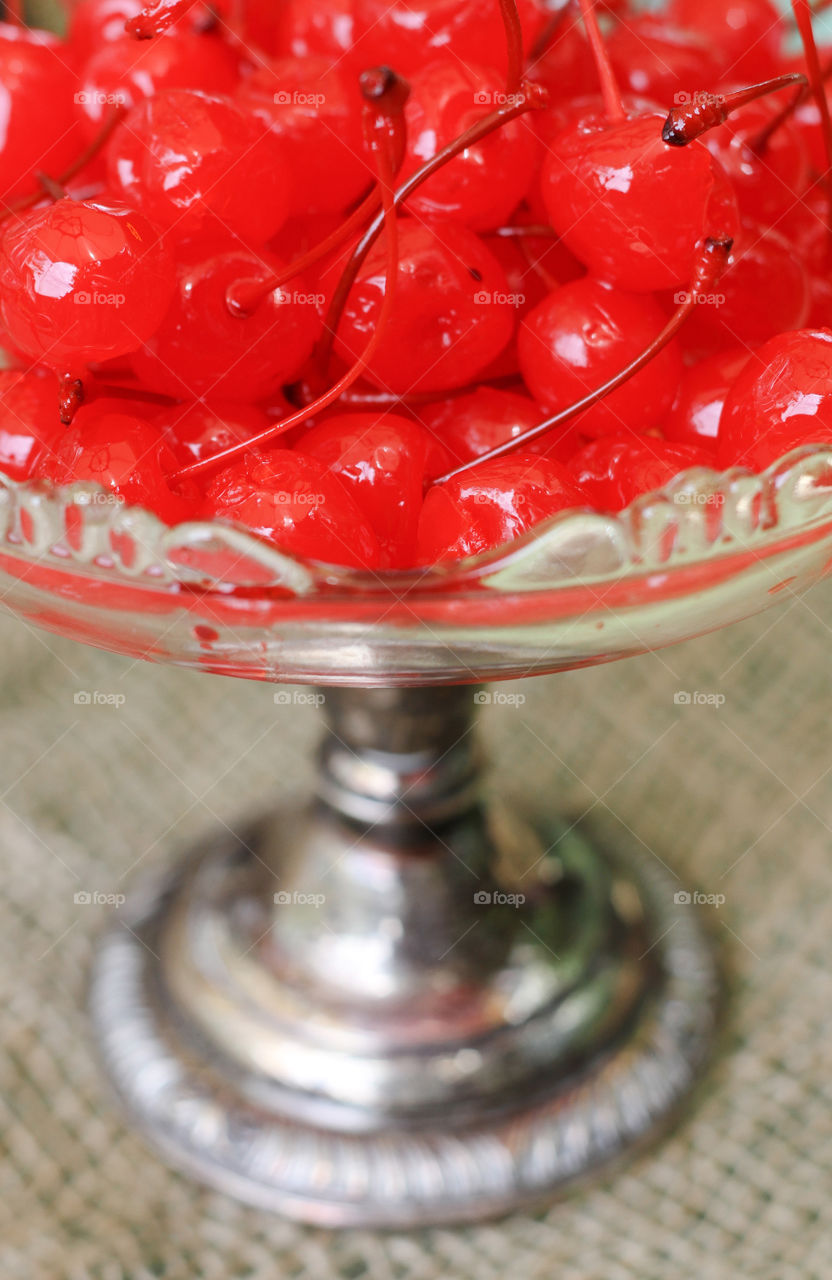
(388, 282)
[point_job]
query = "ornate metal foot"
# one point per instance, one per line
(399, 1005)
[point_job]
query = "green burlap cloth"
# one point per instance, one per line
(737, 796)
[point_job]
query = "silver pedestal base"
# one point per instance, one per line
(242, 1072)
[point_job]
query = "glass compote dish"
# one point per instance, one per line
(402, 1001)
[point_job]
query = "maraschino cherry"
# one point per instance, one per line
(295, 502)
(37, 85)
(29, 425)
(703, 390)
(617, 469)
(190, 162)
(493, 503)
(782, 399)
(583, 334)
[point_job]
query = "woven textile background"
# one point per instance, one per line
(738, 797)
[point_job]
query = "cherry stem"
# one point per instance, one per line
(709, 110)
(548, 33)
(712, 262)
(386, 178)
(532, 97)
(514, 45)
(70, 396)
(114, 118)
(803, 18)
(53, 188)
(13, 13)
(156, 17)
(609, 85)
(385, 95)
(758, 145)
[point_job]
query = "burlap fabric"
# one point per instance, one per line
(738, 796)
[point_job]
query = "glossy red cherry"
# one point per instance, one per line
(202, 350)
(744, 34)
(82, 280)
(703, 389)
(381, 462)
(452, 312)
(472, 424)
(296, 503)
(310, 28)
(657, 61)
(617, 469)
(782, 399)
(632, 208)
(29, 424)
(199, 165)
(36, 109)
(768, 183)
(127, 71)
(126, 456)
(406, 34)
(583, 334)
(314, 108)
(764, 291)
(482, 186)
(196, 431)
(492, 504)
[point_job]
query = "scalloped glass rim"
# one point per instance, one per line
(701, 515)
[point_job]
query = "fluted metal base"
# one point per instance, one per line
(399, 1007)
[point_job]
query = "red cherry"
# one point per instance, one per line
(93, 23)
(190, 161)
(490, 505)
(406, 34)
(29, 423)
(658, 61)
(381, 463)
(782, 398)
(703, 389)
(315, 111)
(202, 349)
(472, 424)
(82, 280)
(744, 34)
(582, 335)
(296, 503)
(617, 469)
(310, 28)
(126, 456)
(127, 71)
(36, 109)
(764, 291)
(196, 431)
(452, 313)
(634, 209)
(482, 186)
(767, 183)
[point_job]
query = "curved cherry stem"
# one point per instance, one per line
(514, 45)
(709, 110)
(803, 18)
(609, 85)
(385, 96)
(759, 144)
(114, 118)
(531, 98)
(712, 262)
(386, 177)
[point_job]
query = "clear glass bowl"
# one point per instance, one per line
(580, 589)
